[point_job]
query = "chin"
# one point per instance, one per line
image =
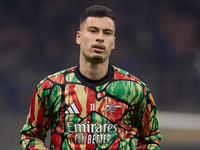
(97, 58)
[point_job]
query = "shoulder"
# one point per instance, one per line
(120, 74)
(56, 78)
(127, 87)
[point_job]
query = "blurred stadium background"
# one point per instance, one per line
(157, 41)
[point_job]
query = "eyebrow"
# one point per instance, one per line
(110, 30)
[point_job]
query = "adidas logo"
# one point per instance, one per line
(72, 109)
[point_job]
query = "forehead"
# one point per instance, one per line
(99, 22)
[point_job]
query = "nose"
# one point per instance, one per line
(100, 38)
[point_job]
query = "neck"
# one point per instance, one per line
(94, 71)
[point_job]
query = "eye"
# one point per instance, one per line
(108, 33)
(92, 31)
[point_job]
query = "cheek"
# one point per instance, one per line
(85, 43)
(86, 39)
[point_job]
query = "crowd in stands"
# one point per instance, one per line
(157, 41)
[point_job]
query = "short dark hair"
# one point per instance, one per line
(97, 11)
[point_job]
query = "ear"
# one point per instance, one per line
(78, 37)
(114, 43)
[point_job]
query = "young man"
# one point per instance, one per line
(93, 105)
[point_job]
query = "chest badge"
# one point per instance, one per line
(112, 108)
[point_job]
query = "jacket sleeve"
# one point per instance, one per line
(147, 123)
(37, 124)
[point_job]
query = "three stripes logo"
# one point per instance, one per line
(72, 109)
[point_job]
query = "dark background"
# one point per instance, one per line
(157, 41)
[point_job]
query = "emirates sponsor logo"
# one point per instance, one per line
(100, 132)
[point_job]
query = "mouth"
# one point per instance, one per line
(98, 48)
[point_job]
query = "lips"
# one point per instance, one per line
(98, 48)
